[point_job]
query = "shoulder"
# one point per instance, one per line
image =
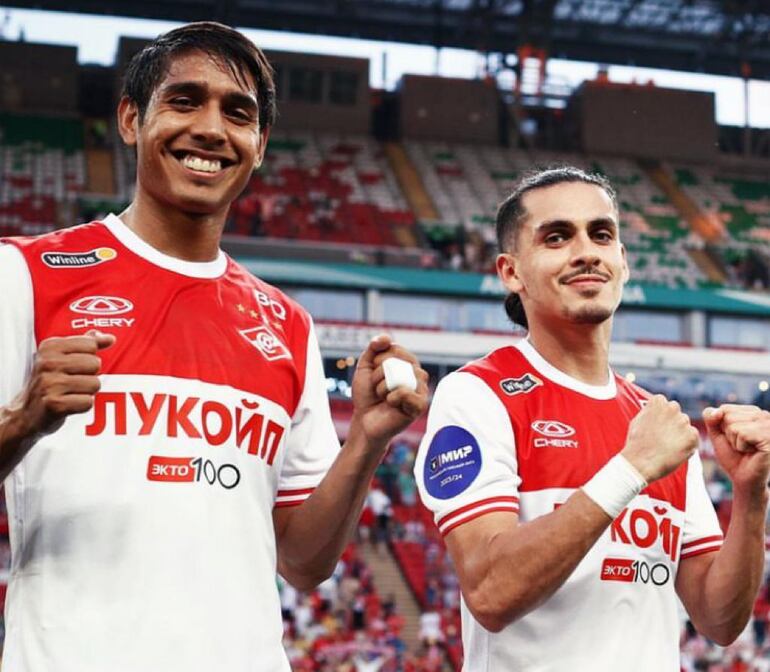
(463, 394)
(275, 302)
(57, 240)
(629, 389)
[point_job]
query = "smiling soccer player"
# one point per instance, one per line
(165, 430)
(572, 502)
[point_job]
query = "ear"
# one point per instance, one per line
(626, 269)
(507, 271)
(264, 135)
(128, 121)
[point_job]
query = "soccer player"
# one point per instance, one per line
(571, 501)
(166, 434)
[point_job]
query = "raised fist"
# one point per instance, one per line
(659, 439)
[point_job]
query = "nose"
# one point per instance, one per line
(584, 251)
(208, 125)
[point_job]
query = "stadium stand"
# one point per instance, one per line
(325, 187)
(740, 203)
(43, 168)
(332, 182)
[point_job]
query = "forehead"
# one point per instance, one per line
(567, 201)
(211, 70)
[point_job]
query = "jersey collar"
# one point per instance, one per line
(193, 269)
(607, 391)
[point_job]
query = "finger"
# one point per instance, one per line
(408, 402)
(377, 344)
(77, 385)
(378, 375)
(80, 363)
(396, 350)
(747, 436)
(738, 407)
(76, 403)
(740, 413)
(102, 340)
(712, 417)
(68, 344)
(381, 390)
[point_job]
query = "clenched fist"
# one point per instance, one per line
(741, 439)
(659, 439)
(383, 413)
(63, 381)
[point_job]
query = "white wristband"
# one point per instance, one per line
(615, 485)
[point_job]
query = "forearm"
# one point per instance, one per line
(521, 568)
(15, 438)
(733, 579)
(317, 532)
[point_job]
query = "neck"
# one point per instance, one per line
(579, 350)
(186, 236)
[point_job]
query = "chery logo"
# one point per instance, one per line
(552, 428)
(101, 305)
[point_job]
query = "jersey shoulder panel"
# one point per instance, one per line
(61, 239)
(507, 372)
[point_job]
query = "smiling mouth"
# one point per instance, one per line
(201, 165)
(586, 278)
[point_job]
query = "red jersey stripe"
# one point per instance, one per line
(478, 514)
(453, 514)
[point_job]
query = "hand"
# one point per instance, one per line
(382, 413)
(63, 381)
(741, 439)
(659, 439)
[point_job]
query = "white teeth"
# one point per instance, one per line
(204, 165)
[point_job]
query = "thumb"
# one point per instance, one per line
(378, 344)
(102, 340)
(712, 417)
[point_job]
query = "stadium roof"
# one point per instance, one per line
(713, 36)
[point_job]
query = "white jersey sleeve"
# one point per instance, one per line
(312, 444)
(466, 464)
(701, 532)
(17, 329)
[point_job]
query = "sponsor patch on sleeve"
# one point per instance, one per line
(453, 462)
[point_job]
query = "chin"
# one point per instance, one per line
(590, 315)
(199, 206)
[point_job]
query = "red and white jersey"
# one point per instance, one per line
(141, 532)
(510, 432)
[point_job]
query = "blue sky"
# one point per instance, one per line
(96, 38)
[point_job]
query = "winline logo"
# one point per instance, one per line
(78, 259)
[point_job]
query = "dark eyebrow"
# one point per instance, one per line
(605, 222)
(192, 88)
(553, 225)
(183, 87)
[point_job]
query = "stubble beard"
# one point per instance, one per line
(588, 314)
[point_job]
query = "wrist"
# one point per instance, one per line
(357, 435)
(614, 486)
(755, 494)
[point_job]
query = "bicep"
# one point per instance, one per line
(469, 546)
(690, 581)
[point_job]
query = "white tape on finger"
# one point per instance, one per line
(399, 373)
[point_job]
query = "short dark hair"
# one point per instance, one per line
(511, 214)
(148, 67)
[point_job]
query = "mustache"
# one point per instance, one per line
(584, 270)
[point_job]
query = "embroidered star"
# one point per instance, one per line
(241, 308)
(254, 314)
